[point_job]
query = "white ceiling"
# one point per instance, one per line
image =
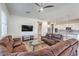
(61, 11)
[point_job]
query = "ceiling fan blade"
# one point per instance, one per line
(49, 6)
(37, 4)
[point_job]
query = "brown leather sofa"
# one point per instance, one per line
(53, 36)
(63, 48)
(10, 45)
(51, 39)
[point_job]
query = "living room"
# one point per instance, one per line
(39, 29)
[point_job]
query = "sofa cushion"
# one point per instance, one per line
(7, 42)
(13, 54)
(58, 36)
(74, 49)
(11, 41)
(9, 48)
(43, 52)
(59, 47)
(24, 54)
(17, 41)
(70, 51)
(66, 52)
(49, 41)
(4, 41)
(20, 48)
(3, 50)
(72, 41)
(54, 36)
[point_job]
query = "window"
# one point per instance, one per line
(3, 24)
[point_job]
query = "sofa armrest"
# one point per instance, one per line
(49, 42)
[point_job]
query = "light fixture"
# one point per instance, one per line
(48, 26)
(41, 9)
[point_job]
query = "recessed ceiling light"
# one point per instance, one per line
(27, 12)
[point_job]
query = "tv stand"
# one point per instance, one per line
(27, 37)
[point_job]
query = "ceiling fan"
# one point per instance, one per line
(43, 7)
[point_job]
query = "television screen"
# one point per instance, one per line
(27, 28)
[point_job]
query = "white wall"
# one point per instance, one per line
(15, 22)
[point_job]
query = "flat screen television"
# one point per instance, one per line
(27, 28)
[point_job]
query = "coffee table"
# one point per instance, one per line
(35, 43)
